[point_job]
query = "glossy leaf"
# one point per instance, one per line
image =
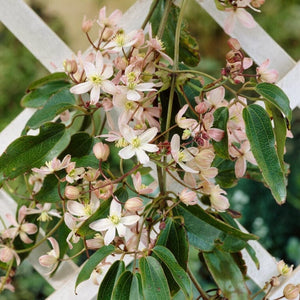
(92, 262)
(109, 281)
(154, 282)
(81, 144)
(27, 152)
(54, 77)
(261, 137)
(56, 104)
(221, 116)
(178, 273)
(275, 95)
(39, 97)
(226, 274)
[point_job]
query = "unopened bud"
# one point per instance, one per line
(201, 108)
(134, 204)
(86, 25)
(72, 192)
(234, 44)
(91, 175)
(101, 151)
(275, 281)
(291, 292)
(70, 66)
(107, 34)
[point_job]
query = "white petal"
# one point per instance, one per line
(175, 145)
(109, 87)
(81, 88)
(115, 208)
(121, 229)
(69, 220)
(75, 208)
(107, 72)
(130, 220)
(127, 132)
(127, 152)
(95, 94)
(150, 148)
(142, 157)
(99, 62)
(186, 168)
(89, 69)
(54, 245)
(146, 86)
(102, 224)
(133, 95)
(109, 236)
(148, 135)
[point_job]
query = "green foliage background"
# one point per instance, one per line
(277, 226)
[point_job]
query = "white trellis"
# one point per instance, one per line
(49, 49)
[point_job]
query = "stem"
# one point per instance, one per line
(164, 19)
(43, 239)
(150, 13)
(75, 255)
(197, 285)
(6, 275)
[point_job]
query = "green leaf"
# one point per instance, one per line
(221, 116)
(122, 194)
(109, 281)
(177, 272)
(92, 262)
(253, 256)
(260, 134)
(272, 93)
(189, 49)
(27, 152)
(56, 104)
(80, 145)
(49, 190)
(122, 288)
(154, 282)
(226, 274)
(279, 131)
(38, 98)
(58, 76)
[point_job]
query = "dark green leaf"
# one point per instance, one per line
(276, 96)
(122, 288)
(59, 76)
(39, 97)
(80, 145)
(260, 134)
(226, 274)
(109, 281)
(221, 116)
(122, 194)
(154, 282)
(49, 191)
(178, 273)
(252, 254)
(56, 104)
(32, 151)
(92, 262)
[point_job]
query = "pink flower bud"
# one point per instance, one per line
(291, 292)
(120, 63)
(91, 174)
(275, 281)
(134, 204)
(107, 34)
(201, 108)
(70, 66)
(234, 44)
(72, 192)
(86, 25)
(101, 151)
(188, 197)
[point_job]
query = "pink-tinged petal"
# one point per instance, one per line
(148, 135)
(29, 228)
(107, 72)
(245, 18)
(127, 152)
(181, 112)
(24, 237)
(130, 220)
(42, 170)
(115, 208)
(12, 220)
(121, 229)
(137, 180)
(189, 179)
(127, 132)
(47, 260)
(22, 213)
(99, 62)
(142, 157)
(115, 16)
(65, 162)
(54, 245)
(247, 62)
(146, 86)
(101, 225)
(95, 94)
(229, 22)
(249, 156)
(75, 208)
(109, 87)
(69, 237)
(102, 13)
(10, 232)
(133, 95)
(6, 254)
(175, 146)
(240, 167)
(216, 134)
(186, 168)
(81, 88)
(69, 221)
(89, 69)
(150, 148)
(94, 203)
(109, 235)
(216, 95)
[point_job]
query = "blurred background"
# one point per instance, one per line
(277, 227)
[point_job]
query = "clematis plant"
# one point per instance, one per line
(135, 152)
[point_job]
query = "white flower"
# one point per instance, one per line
(83, 211)
(138, 144)
(97, 76)
(72, 224)
(54, 165)
(51, 259)
(44, 211)
(114, 222)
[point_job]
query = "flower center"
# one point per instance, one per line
(121, 143)
(44, 217)
(87, 210)
(129, 105)
(115, 219)
(181, 156)
(120, 40)
(96, 79)
(136, 142)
